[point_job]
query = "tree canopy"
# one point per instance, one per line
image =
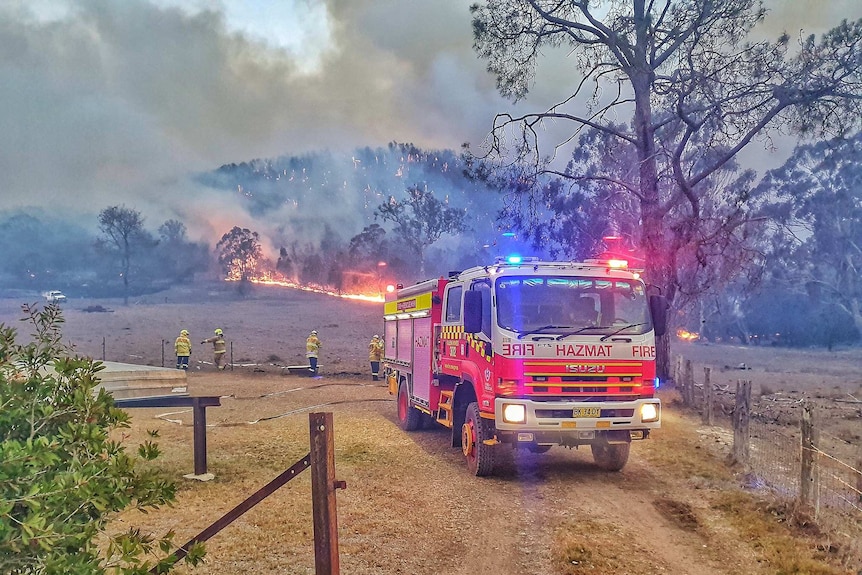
(421, 219)
(239, 254)
(695, 88)
(814, 202)
(123, 235)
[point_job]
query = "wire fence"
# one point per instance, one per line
(816, 473)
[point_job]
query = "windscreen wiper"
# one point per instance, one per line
(543, 328)
(582, 330)
(625, 327)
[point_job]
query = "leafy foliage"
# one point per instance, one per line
(61, 474)
(421, 219)
(123, 235)
(178, 258)
(239, 253)
(814, 203)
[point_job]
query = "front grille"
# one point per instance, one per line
(567, 413)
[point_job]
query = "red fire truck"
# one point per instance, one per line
(527, 354)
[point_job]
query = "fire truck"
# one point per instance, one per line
(527, 354)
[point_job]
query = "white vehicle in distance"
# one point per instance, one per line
(54, 296)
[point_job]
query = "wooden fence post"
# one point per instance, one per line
(677, 372)
(688, 386)
(708, 411)
(809, 480)
(742, 423)
(323, 486)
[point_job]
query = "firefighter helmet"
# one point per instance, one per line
(218, 331)
(376, 337)
(184, 332)
(314, 332)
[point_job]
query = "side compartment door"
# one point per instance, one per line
(422, 349)
(404, 351)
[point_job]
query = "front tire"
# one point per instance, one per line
(409, 418)
(480, 456)
(610, 456)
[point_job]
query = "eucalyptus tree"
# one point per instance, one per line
(814, 202)
(239, 255)
(420, 220)
(689, 84)
(123, 236)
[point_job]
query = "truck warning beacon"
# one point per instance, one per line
(527, 354)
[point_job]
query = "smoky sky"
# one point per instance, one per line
(118, 101)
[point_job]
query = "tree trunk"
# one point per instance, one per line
(656, 269)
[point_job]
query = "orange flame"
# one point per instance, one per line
(276, 279)
(686, 335)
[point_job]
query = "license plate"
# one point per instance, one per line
(587, 412)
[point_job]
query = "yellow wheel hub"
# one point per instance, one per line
(468, 438)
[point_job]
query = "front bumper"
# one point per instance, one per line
(559, 416)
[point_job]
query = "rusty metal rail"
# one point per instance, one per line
(321, 459)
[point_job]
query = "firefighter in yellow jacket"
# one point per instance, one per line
(375, 354)
(183, 347)
(219, 348)
(312, 349)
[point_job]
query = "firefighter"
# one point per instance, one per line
(312, 348)
(183, 347)
(375, 354)
(219, 348)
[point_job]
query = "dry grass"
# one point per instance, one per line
(410, 506)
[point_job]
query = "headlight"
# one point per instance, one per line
(649, 412)
(514, 413)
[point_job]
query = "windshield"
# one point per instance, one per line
(562, 305)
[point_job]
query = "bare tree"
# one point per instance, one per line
(123, 235)
(696, 90)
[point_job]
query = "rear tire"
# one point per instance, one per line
(539, 448)
(409, 418)
(480, 456)
(610, 456)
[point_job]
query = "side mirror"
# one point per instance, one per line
(472, 312)
(658, 307)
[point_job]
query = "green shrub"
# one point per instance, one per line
(61, 475)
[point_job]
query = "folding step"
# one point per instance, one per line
(444, 408)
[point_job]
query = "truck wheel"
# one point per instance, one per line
(474, 432)
(610, 457)
(409, 418)
(539, 448)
